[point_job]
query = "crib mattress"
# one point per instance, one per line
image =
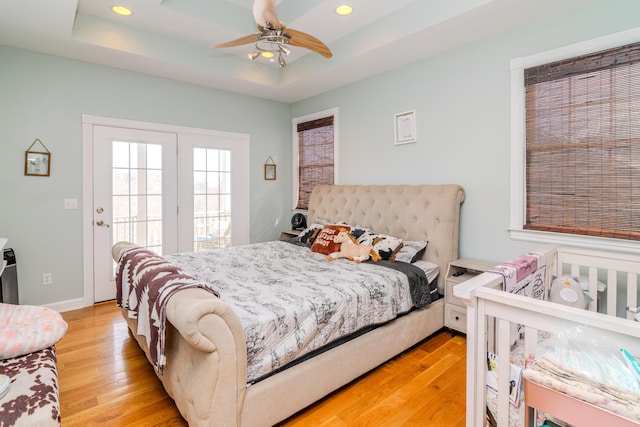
(548, 373)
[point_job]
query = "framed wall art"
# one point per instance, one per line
(269, 170)
(405, 127)
(37, 163)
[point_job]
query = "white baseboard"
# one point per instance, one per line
(69, 305)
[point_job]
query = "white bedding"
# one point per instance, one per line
(293, 301)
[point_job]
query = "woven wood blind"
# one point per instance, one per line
(583, 145)
(315, 153)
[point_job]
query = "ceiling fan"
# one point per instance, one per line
(273, 37)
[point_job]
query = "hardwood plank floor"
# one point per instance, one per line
(105, 379)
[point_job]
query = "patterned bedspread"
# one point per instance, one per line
(292, 301)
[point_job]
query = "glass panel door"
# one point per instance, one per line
(134, 197)
(213, 170)
(211, 198)
(137, 194)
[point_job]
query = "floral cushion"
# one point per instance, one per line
(28, 328)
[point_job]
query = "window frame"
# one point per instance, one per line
(296, 153)
(518, 145)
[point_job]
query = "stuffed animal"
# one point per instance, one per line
(567, 290)
(350, 249)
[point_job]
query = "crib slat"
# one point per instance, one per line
(593, 288)
(612, 292)
(530, 340)
(504, 371)
(632, 293)
(477, 403)
(575, 270)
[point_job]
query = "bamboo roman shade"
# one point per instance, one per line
(315, 157)
(583, 145)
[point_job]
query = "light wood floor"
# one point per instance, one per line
(105, 379)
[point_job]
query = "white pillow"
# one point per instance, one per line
(429, 268)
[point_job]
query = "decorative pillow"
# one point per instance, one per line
(28, 328)
(324, 243)
(309, 234)
(386, 246)
(358, 231)
(412, 250)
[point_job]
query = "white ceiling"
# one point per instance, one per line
(170, 38)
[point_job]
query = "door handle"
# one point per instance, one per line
(101, 223)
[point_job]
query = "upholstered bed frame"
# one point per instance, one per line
(205, 345)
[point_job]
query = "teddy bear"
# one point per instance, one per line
(567, 290)
(351, 250)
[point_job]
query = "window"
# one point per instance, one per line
(315, 146)
(211, 198)
(580, 143)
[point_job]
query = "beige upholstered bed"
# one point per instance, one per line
(206, 358)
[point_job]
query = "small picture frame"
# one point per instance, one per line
(269, 171)
(405, 127)
(37, 163)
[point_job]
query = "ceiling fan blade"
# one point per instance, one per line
(251, 38)
(264, 12)
(307, 41)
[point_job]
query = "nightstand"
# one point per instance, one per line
(287, 234)
(455, 310)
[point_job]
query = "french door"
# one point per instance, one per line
(169, 191)
(135, 196)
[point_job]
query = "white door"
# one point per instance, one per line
(166, 191)
(213, 191)
(135, 197)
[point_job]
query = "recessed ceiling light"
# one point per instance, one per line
(121, 10)
(345, 9)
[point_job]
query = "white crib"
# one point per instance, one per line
(491, 312)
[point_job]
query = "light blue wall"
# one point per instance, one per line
(461, 99)
(462, 103)
(45, 97)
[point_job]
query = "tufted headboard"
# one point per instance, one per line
(410, 212)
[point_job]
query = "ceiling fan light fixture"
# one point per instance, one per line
(281, 61)
(284, 49)
(253, 55)
(267, 54)
(121, 10)
(344, 9)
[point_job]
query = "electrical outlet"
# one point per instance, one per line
(47, 279)
(71, 203)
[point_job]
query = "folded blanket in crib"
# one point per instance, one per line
(549, 373)
(524, 275)
(145, 283)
